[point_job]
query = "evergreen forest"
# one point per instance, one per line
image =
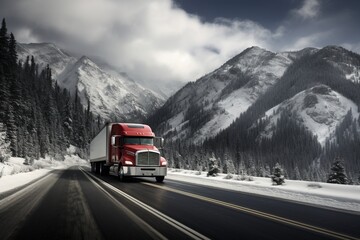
(37, 117)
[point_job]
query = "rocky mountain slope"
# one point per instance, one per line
(111, 95)
(319, 109)
(202, 109)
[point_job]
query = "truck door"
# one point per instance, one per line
(121, 148)
(116, 149)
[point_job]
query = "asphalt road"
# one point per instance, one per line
(75, 204)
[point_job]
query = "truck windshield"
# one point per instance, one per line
(138, 140)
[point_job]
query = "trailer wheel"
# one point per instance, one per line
(120, 174)
(97, 167)
(159, 179)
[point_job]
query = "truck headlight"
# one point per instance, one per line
(128, 163)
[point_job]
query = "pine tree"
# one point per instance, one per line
(4, 145)
(4, 47)
(4, 96)
(4, 89)
(11, 135)
(12, 53)
(338, 173)
(213, 167)
(278, 177)
(297, 173)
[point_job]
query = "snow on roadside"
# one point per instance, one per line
(346, 197)
(13, 173)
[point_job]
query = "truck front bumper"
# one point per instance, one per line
(144, 171)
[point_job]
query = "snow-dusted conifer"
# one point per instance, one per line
(338, 173)
(12, 53)
(4, 145)
(4, 46)
(277, 176)
(297, 173)
(213, 167)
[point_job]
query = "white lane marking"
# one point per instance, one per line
(145, 226)
(179, 226)
(257, 213)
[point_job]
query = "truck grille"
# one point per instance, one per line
(148, 159)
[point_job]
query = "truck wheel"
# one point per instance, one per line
(106, 170)
(121, 175)
(159, 179)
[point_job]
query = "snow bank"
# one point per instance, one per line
(14, 173)
(346, 197)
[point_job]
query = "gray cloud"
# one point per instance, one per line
(154, 40)
(308, 10)
(315, 24)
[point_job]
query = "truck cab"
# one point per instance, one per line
(130, 152)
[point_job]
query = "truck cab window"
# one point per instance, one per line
(138, 140)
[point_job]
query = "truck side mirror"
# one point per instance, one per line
(113, 141)
(159, 142)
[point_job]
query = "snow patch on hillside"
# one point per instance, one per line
(264, 69)
(353, 75)
(319, 109)
(231, 108)
(263, 63)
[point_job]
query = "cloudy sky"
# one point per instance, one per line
(181, 40)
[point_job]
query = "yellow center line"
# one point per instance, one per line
(257, 213)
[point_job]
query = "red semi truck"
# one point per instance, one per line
(127, 150)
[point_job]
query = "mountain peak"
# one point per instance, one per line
(44, 48)
(40, 45)
(257, 48)
(250, 52)
(334, 48)
(254, 50)
(44, 54)
(86, 61)
(333, 51)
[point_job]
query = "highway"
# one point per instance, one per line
(76, 204)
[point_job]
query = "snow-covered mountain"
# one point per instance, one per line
(254, 78)
(109, 95)
(320, 109)
(46, 53)
(347, 62)
(112, 95)
(218, 98)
